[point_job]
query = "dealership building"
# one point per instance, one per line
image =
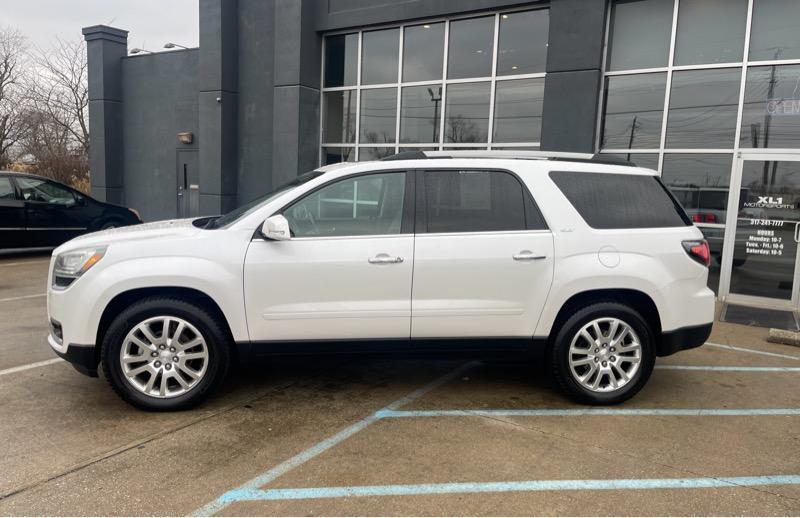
(707, 92)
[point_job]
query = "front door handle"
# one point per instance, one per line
(527, 255)
(385, 259)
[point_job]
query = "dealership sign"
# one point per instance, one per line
(789, 106)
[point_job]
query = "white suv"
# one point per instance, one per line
(594, 263)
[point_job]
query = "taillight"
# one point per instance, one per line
(699, 251)
(704, 217)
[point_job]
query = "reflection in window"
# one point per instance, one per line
(647, 160)
(523, 42)
(379, 56)
(633, 111)
(339, 124)
(771, 112)
(374, 153)
(334, 155)
(467, 112)
(707, 36)
(473, 201)
(702, 108)
(341, 60)
(419, 113)
(33, 189)
(378, 111)
(640, 34)
(773, 32)
(470, 48)
(365, 205)
(700, 182)
(518, 110)
(423, 48)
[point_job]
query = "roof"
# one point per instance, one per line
(514, 155)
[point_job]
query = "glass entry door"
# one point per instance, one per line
(759, 263)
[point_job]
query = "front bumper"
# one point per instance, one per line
(83, 357)
(683, 338)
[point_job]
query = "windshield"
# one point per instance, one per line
(238, 213)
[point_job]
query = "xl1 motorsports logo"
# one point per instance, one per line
(788, 106)
(768, 202)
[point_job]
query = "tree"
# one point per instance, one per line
(12, 68)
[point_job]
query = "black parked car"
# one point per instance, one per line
(38, 212)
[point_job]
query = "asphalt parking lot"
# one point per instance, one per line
(716, 431)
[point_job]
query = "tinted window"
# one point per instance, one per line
(608, 200)
(771, 105)
(341, 59)
(34, 189)
(334, 155)
(640, 34)
(774, 33)
(339, 122)
(633, 111)
(522, 47)
(379, 56)
(700, 182)
(423, 51)
(6, 189)
(419, 113)
(378, 111)
(477, 201)
(467, 113)
(363, 205)
(705, 36)
(470, 48)
(518, 110)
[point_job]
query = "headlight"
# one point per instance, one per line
(71, 265)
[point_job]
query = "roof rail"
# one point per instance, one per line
(512, 154)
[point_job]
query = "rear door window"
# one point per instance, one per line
(476, 201)
(6, 189)
(610, 200)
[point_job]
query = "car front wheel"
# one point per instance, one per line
(603, 354)
(164, 354)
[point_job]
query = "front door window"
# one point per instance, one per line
(767, 225)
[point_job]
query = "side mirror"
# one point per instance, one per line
(276, 228)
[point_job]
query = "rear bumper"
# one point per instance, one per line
(82, 357)
(683, 338)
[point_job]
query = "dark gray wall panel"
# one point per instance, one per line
(570, 111)
(577, 29)
(159, 101)
(296, 132)
(219, 41)
(340, 14)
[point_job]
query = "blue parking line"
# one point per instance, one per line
(570, 412)
(501, 487)
(268, 476)
(732, 368)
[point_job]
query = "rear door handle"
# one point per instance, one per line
(385, 259)
(527, 255)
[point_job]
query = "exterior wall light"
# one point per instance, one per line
(186, 137)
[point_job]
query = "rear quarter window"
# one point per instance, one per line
(614, 201)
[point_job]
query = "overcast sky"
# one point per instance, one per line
(150, 23)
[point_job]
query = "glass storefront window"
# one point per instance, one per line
(702, 108)
(339, 123)
(334, 155)
(423, 49)
(470, 48)
(640, 34)
(419, 113)
(341, 60)
(518, 110)
(710, 31)
(773, 32)
(379, 55)
(467, 112)
(633, 111)
(771, 112)
(701, 183)
(523, 42)
(374, 153)
(378, 115)
(648, 160)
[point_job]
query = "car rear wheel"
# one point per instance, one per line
(603, 354)
(165, 354)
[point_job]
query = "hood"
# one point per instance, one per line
(156, 230)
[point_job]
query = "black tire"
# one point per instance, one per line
(559, 353)
(213, 331)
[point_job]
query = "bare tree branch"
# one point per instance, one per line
(12, 70)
